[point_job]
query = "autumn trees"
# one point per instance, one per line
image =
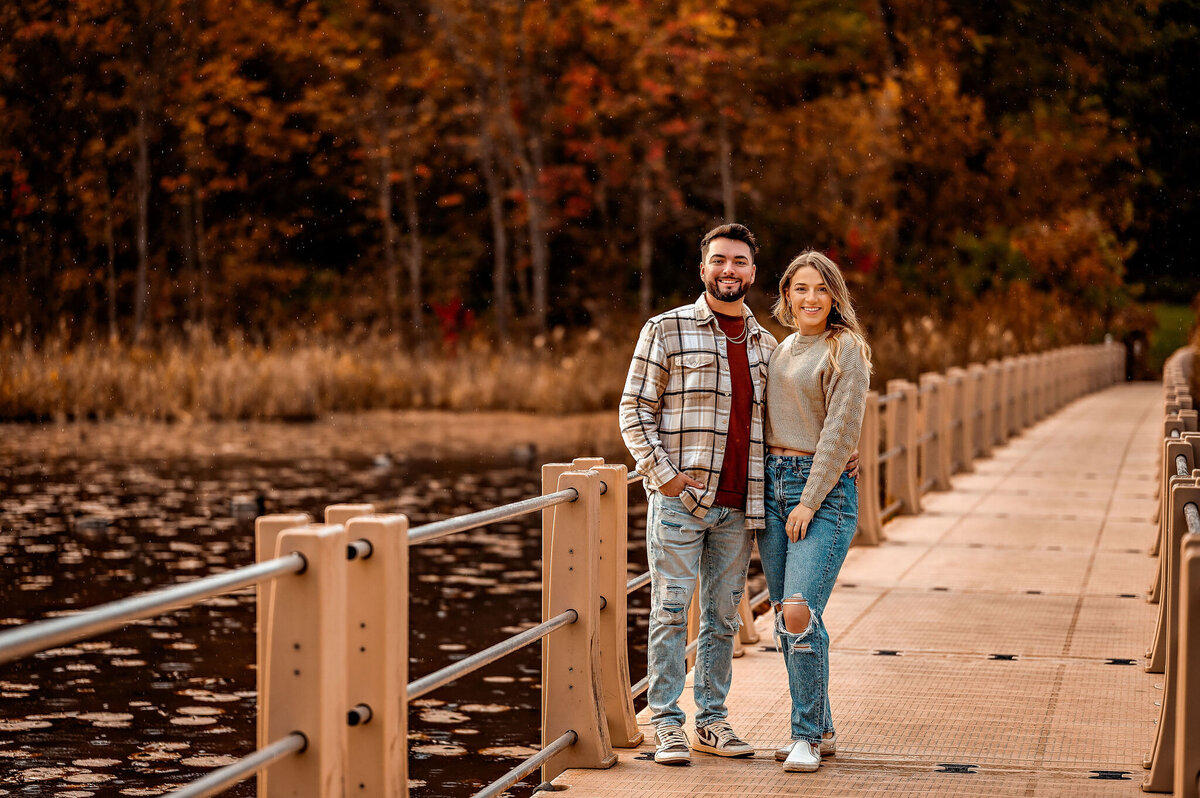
(275, 166)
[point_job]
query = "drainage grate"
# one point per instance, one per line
(1111, 775)
(955, 767)
(887, 653)
(1118, 661)
(1004, 657)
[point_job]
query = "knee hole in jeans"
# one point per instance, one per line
(797, 617)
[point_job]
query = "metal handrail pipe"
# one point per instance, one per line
(1174, 433)
(1191, 514)
(890, 453)
(42, 635)
(636, 582)
(223, 778)
(927, 437)
(440, 678)
(632, 478)
(891, 509)
(497, 787)
(1181, 466)
(450, 526)
(890, 397)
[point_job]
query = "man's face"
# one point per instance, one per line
(728, 271)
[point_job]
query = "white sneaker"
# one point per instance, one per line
(671, 745)
(828, 748)
(803, 758)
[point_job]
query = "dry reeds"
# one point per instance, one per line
(199, 379)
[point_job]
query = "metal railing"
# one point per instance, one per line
(38, 636)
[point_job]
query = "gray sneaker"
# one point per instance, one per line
(671, 745)
(720, 739)
(828, 748)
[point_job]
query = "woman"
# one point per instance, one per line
(816, 391)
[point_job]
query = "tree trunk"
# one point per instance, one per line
(187, 236)
(110, 251)
(201, 255)
(645, 244)
(390, 261)
(501, 301)
(539, 249)
(726, 167)
(416, 247)
(142, 177)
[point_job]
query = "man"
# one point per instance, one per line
(692, 417)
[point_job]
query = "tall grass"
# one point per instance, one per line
(200, 379)
(196, 377)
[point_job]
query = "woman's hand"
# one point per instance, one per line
(798, 521)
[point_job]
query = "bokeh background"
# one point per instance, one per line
(275, 208)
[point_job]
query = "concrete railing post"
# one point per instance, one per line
(572, 693)
(962, 409)
(1037, 397)
(551, 472)
(902, 426)
(995, 403)
(342, 513)
(1187, 724)
(612, 577)
(1161, 777)
(981, 411)
(377, 656)
(936, 414)
(870, 527)
(304, 688)
(266, 532)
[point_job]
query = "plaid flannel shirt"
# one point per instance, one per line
(675, 408)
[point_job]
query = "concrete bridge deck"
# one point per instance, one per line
(992, 646)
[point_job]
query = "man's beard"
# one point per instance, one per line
(727, 294)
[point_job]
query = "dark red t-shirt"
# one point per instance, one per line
(735, 468)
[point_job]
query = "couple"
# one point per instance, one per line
(731, 447)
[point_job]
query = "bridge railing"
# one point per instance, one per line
(1174, 761)
(332, 605)
(915, 436)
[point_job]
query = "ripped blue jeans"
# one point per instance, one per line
(806, 568)
(683, 549)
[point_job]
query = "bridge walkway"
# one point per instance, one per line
(993, 645)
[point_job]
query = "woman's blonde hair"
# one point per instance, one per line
(842, 319)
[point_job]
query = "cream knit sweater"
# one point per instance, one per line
(813, 408)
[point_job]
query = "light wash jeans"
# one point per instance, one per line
(680, 548)
(807, 568)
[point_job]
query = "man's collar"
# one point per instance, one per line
(705, 315)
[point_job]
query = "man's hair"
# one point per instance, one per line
(733, 230)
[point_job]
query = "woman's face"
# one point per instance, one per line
(810, 300)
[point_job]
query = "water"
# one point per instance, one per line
(94, 512)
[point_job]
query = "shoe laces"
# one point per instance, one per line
(722, 731)
(671, 736)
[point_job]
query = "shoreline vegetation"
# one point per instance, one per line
(198, 378)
